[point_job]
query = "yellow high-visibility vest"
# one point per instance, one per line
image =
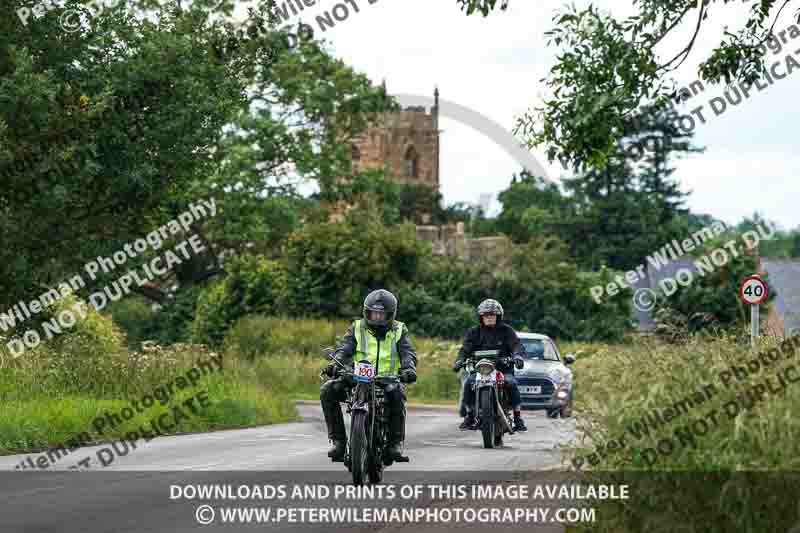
(383, 354)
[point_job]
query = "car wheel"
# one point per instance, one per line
(553, 413)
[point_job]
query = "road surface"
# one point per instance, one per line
(132, 493)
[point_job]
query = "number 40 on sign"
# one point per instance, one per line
(753, 292)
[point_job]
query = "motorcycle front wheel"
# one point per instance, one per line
(359, 450)
(375, 466)
(486, 413)
(498, 437)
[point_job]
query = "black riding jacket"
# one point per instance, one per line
(500, 337)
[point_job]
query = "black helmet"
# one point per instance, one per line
(380, 300)
(490, 307)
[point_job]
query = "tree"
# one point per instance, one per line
(99, 126)
(620, 212)
(333, 265)
(112, 130)
(529, 203)
(608, 69)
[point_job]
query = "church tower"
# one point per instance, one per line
(405, 144)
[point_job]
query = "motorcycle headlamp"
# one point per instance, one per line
(484, 368)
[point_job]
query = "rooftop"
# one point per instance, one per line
(784, 280)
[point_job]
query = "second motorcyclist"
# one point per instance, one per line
(492, 334)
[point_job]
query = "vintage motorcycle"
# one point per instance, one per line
(369, 422)
(492, 402)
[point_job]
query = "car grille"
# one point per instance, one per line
(548, 387)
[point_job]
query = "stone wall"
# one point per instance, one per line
(451, 241)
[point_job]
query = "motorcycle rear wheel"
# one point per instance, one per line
(359, 450)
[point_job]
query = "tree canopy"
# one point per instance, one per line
(610, 70)
(112, 129)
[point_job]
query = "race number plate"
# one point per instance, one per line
(531, 390)
(364, 371)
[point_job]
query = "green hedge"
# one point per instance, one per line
(256, 335)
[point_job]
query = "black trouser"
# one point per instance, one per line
(333, 392)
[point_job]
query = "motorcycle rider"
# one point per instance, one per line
(378, 336)
(491, 334)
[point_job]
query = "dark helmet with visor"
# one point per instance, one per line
(380, 300)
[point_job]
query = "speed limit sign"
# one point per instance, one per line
(753, 290)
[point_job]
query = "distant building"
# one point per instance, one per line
(783, 317)
(405, 144)
(450, 240)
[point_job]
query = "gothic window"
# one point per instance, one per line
(411, 163)
(356, 153)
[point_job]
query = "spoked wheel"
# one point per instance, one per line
(498, 438)
(487, 417)
(358, 447)
(375, 467)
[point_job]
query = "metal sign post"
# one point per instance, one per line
(753, 292)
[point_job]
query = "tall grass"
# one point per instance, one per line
(52, 392)
(695, 483)
(295, 373)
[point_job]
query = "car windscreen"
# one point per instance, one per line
(538, 349)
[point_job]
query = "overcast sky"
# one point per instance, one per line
(493, 65)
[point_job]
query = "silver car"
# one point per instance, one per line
(545, 383)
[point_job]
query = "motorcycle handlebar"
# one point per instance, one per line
(388, 377)
(495, 358)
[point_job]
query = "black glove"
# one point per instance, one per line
(458, 365)
(331, 370)
(408, 376)
(519, 362)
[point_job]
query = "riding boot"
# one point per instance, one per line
(397, 430)
(469, 420)
(336, 430)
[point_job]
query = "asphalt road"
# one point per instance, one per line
(133, 492)
(433, 442)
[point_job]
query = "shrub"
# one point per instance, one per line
(133, 316)
(334, 266)
(710, 300)
(253, 284)
(255, 335)
(430, 317)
